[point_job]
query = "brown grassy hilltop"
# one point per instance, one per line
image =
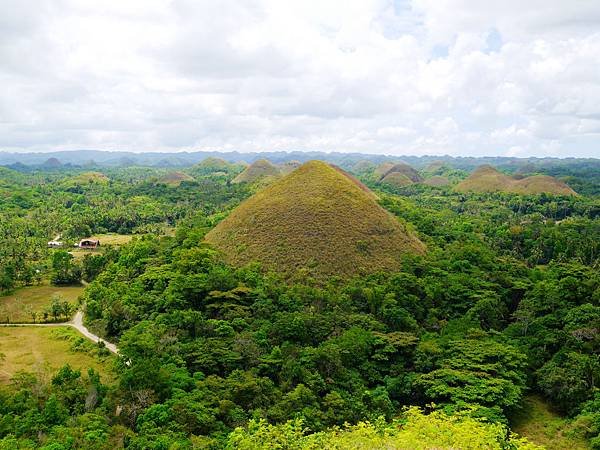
(289, 166)
(382, 169)
(396, 179)
(213, 164)
(437, 181)
(488, 179)
(317, 218)
(256, 171)
(174, 178)
(404, 169)
(362, 166)
(90, 178)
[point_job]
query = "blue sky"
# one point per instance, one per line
(459, 77)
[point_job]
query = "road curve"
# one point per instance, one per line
(77, 323)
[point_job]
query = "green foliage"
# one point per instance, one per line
(505, 299)
(416, 431)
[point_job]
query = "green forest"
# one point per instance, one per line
(440, 344)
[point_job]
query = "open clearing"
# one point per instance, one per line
(113, 239)
(110, 239)
(17, 306)
(542, 426)
(42, 350)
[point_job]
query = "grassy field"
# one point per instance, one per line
(110, 239)
(542, 426)
(17, 307)
(42, 350)
(113, 239)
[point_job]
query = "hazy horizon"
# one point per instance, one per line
(381, 77)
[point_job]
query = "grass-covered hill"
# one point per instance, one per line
(404, 169)
(319, 218)
(396, 179)
(213, 166)
(289, 166)
(85, 179)
(487, 179)
(257, 171)
(382, 169)
(437, 181)
(362, 166)
(175, 178)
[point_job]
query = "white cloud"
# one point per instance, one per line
(420, 76)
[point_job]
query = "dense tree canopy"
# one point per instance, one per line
(505, 301)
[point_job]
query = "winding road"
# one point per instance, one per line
(77, 323)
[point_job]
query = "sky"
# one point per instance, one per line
(404, 77)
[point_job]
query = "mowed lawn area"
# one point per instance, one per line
(538, 423)
(45, 349)
(113, 239)
(17, 306)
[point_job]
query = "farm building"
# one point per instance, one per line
(89, 243)
(55, 244)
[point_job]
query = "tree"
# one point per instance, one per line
(64, 269)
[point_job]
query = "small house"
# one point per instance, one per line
(89, 243)
(55, 244)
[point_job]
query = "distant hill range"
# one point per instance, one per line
(98, 158)
(487, 179)
(317, 217)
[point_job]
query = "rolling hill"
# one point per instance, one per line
(437, 181)
(257, 171)
(289, 166)
(404, 169)
(175, 178)
(89, 178)
(317, 218)
(396, 179)
(382, 169)
(487, 179)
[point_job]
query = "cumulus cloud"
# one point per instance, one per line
(461, 77)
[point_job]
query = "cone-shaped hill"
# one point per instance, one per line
(316, 218)
(256, 171)
(215, 166)
(382, 169)
(362, 166)
(487, 179)
(174, 178)
(212, 164)
(404, 169)
(289, 166)
(396, 179)
(89, 178)
(437, 181)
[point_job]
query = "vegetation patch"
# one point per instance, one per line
(537, 422)
(415, 431)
